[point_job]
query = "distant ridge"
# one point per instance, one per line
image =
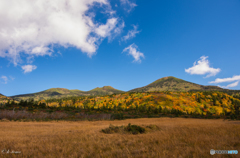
(63, 92)
(171, 83)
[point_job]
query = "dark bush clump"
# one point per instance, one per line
(134, 129)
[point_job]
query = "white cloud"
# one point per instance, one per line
(117, 31)
(105, 29)
(5, 79)
(230, 79)
(32, 27)
(230, 85)
(132, 50)
(41, 51)
(111, 29)
(28, 68)
(131, 33)
(202, 67)
(128, 5)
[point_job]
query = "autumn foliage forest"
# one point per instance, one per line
(131, 105)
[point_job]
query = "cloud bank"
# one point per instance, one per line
(30, 28)
(132, 50)
(230, 85)
(230, 79)
(234, 79)
(202, 67)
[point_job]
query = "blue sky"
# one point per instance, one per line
(121, 43)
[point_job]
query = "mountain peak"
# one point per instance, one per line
(171, 83)
(104, 88)
(167, 77)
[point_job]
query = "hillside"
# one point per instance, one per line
(63, 92)
(4, 99)
(106, 90)
(174, 84)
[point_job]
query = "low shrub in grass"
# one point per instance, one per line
(132, 129)
(113, 129)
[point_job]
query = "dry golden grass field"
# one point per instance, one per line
(175, 138)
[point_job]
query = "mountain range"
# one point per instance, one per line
(163, 84)
(63, 93)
